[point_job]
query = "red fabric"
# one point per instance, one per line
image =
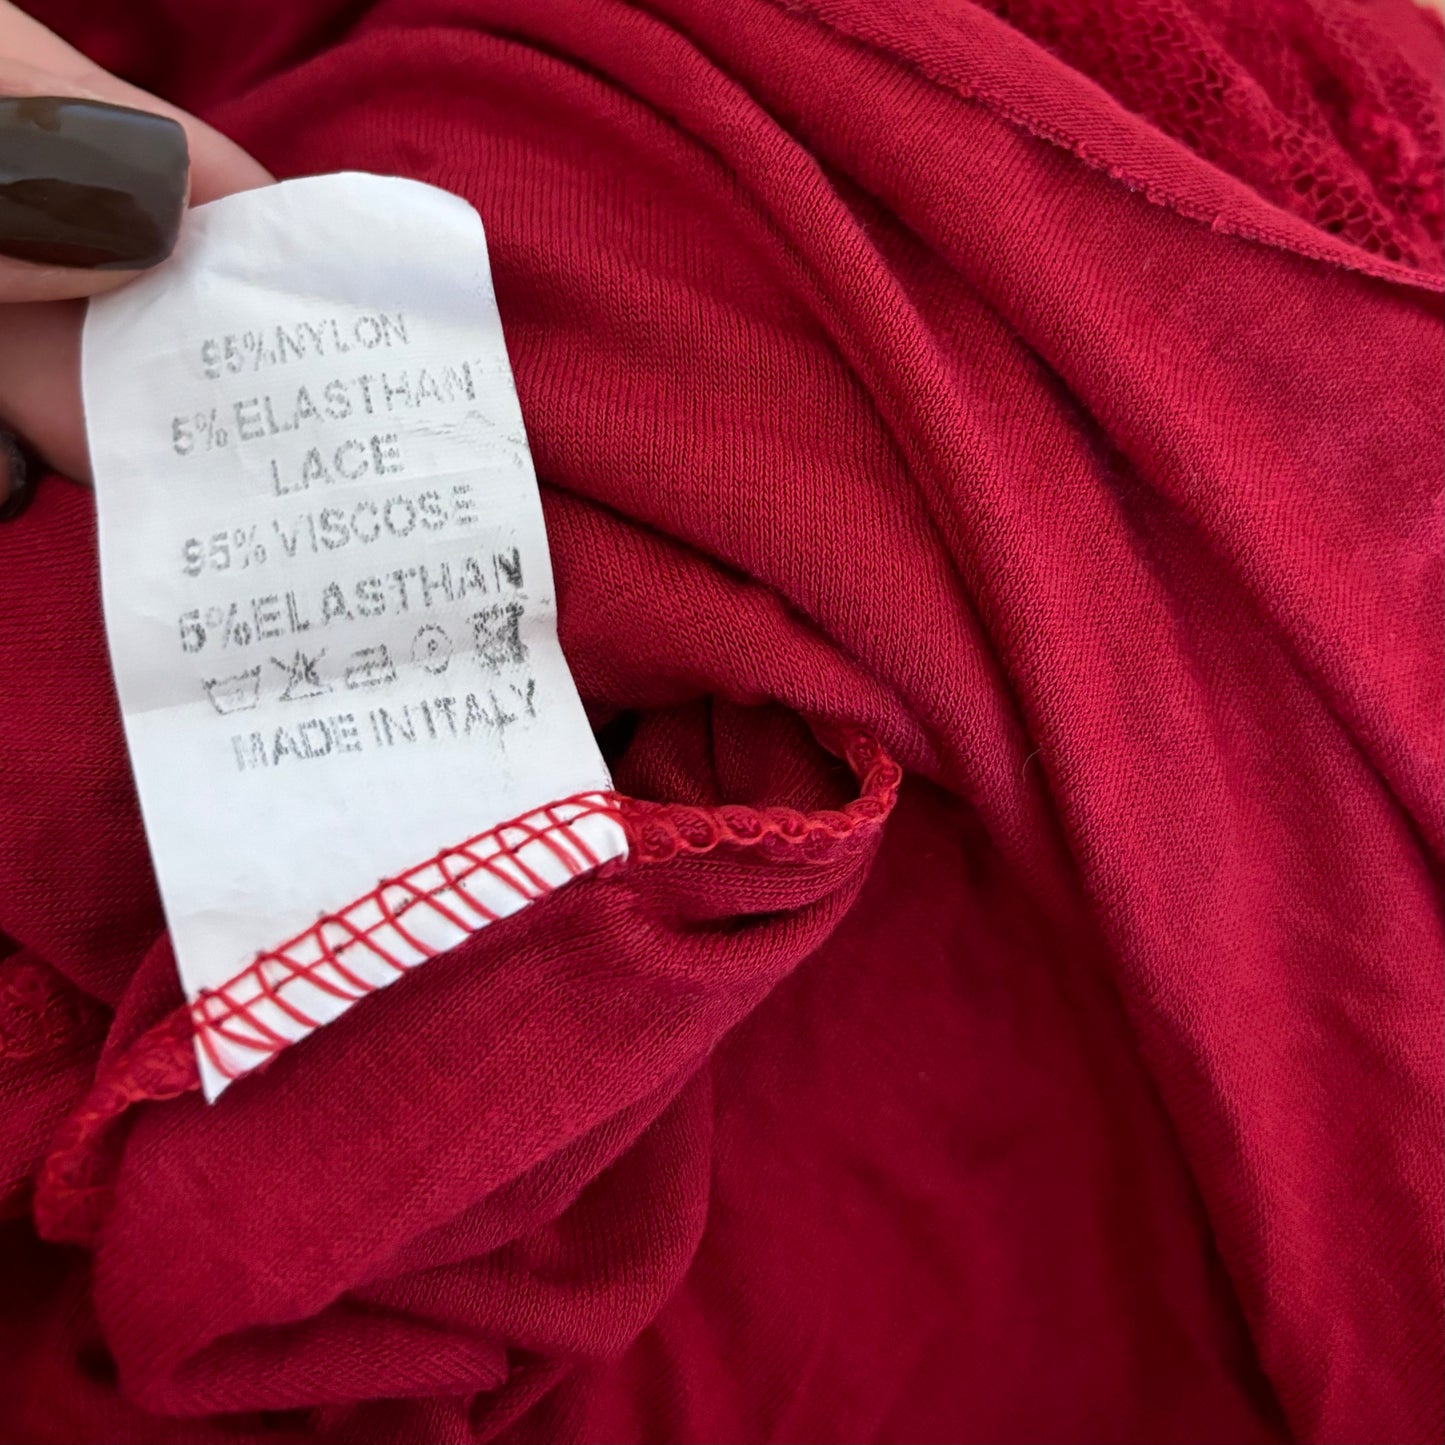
(1052, 394)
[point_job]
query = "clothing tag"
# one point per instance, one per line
(329, 603)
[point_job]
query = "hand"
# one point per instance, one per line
(94, 178)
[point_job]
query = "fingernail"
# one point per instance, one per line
(15, 486)
(89, 185)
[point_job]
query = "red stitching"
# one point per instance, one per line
(75, 1185)
(527, 874)
(393, 917)
(73, 1190)
(657, 832)
(220, 1014)
(418, 895)
(480, 909)
(591, 859)
(273, 992)
(331, 954)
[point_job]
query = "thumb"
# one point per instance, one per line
(94, 173)
(88, 192)
(99, 172)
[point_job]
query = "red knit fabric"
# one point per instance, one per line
(1048, 392)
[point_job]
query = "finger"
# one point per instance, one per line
(40, 343)
(88, 192)
(40, 381)
(219, 167)
(93, 172)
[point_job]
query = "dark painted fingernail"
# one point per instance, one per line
(89, 185)
(15, 485)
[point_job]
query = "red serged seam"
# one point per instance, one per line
(75, 1184)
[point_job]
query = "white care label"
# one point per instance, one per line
(329, 603)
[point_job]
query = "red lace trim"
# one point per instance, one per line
(1321, 113)
(40, 1013)
(74, 1188)
(42, 1016)
(75, 1185)
(657, 832)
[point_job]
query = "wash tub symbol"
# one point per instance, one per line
(234, 694)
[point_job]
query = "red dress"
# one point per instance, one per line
(992, 462)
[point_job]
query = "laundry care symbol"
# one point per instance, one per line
(373, 667)
(302, 679)
(239, 693)
(431, 649)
